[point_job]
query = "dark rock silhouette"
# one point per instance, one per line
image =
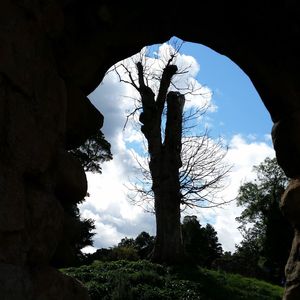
(54, 53)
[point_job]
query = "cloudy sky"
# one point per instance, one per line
(236, 113)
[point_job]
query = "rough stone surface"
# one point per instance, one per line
(292, 269)
(15, 283)
(54, 53)
(286, 141)
(45, 226)
(83, 119)
(290, 203)
(50, 284)
(70, 179)
(33, 120)
(41, 283)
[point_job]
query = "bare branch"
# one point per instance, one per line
(203, 170)
(131, 81)
(131, 114)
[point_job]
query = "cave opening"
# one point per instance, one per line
(54, 54)
(236, 113)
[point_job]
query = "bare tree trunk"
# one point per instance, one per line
(164, 162)
(168, 246)
(201, 170)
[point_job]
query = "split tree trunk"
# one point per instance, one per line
(165, 174)
(164, 162)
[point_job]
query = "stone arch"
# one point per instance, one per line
(53, 53)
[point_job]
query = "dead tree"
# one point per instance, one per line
(165, 156)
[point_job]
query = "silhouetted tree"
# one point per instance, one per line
(173, 184)
(271, 235)
(246, 260)
(201, 244)
(127, 248)
(126, 242)
(144, 243)
(93, 153)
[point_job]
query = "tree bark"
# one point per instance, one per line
(165, 175)
(164, 162)
(168, 243)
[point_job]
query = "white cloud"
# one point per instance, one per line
(116, 218)
(107, 204)
(243, 156)
(186, 81)
(268, 137)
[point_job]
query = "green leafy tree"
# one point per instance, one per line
(213, 248)
(144, 243)
(126, 242)
(124, 253)
(201, 244)
(268, 240)
(128, 249)
(93, 153)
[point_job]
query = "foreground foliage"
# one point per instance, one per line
(144, 280)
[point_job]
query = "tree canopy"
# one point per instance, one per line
(267, 234)
(201, 244)
(93, 153)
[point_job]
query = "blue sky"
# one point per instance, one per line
(240, 109)
(240, 117)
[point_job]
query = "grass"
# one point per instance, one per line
(144, 280)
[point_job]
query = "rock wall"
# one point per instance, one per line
(38, 124)
(55, 52)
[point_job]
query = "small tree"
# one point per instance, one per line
(201, 244)
(173, 183)
(144, 243)
(126, 242)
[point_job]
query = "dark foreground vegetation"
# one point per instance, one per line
(143, 280)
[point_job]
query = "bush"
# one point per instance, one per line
(125, 253)
(143, 280)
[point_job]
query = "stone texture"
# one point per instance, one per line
(49, 284)
(83, 119)
(44, 227)
(290, 206)
(290, 203)
(70, 179)
(41, 283)
(292, 269)
(15, 283)
(33, 109)
(286, 141)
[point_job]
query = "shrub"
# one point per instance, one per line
(143, 280)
